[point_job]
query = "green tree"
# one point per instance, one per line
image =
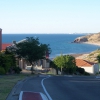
(70, 65)
(31, 50)
(60, 62)
(65, 62)
(7, 61)
(52, 65)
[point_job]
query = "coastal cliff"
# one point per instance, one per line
(92, 38)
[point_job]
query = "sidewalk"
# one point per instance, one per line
(18, 94)
(14, 94)
(98, 76)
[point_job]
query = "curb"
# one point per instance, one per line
(15, 92)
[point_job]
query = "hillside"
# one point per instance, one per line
(91, 38)
(92, 57)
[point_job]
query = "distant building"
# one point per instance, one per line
(3, 45)
(89, 67)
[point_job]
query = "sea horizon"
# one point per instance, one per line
(47, 33)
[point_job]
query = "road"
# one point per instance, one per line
(65, 87)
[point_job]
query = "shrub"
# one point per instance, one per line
(80, 70)
(68, 70)
(2, 71)
(86, 73)
(17, 70)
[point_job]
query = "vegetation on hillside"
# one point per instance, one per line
(92, 57)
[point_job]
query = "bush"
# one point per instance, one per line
(17, 70)
(2, 71)
(68, 70)
(80, 70)
(86, 73)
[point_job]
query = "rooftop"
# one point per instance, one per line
(4, 45)
(84, 63)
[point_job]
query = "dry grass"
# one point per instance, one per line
(7, 82)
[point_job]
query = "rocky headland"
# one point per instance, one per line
(91, 38)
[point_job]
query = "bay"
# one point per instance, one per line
(59, 43)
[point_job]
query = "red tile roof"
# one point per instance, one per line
(4, 45)
(83, 63)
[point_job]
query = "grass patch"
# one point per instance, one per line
(7, 82)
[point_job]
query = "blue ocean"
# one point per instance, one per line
(59, 43)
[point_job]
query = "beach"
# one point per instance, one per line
(84, 55)
(80, 56)
(93, 43)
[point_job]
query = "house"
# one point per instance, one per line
(0, 39)
(4, 45)
(89, 67)
(40, 64)
(23, 64)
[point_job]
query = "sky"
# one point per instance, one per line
(50, 16)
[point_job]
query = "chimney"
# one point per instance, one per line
(0, 39)
(14, 42)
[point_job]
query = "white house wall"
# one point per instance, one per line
(24, 65)
(44, 63)
(96, 68)
(21, 64)
(47, 64)
(88, 69)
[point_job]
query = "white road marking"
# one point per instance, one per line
(68, 75)
(43, 96)
(97, 76)
(20, 96)
(44, 75)
(45, 89)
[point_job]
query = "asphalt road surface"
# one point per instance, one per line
(65, 87)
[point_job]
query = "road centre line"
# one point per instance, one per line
(45, 88)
